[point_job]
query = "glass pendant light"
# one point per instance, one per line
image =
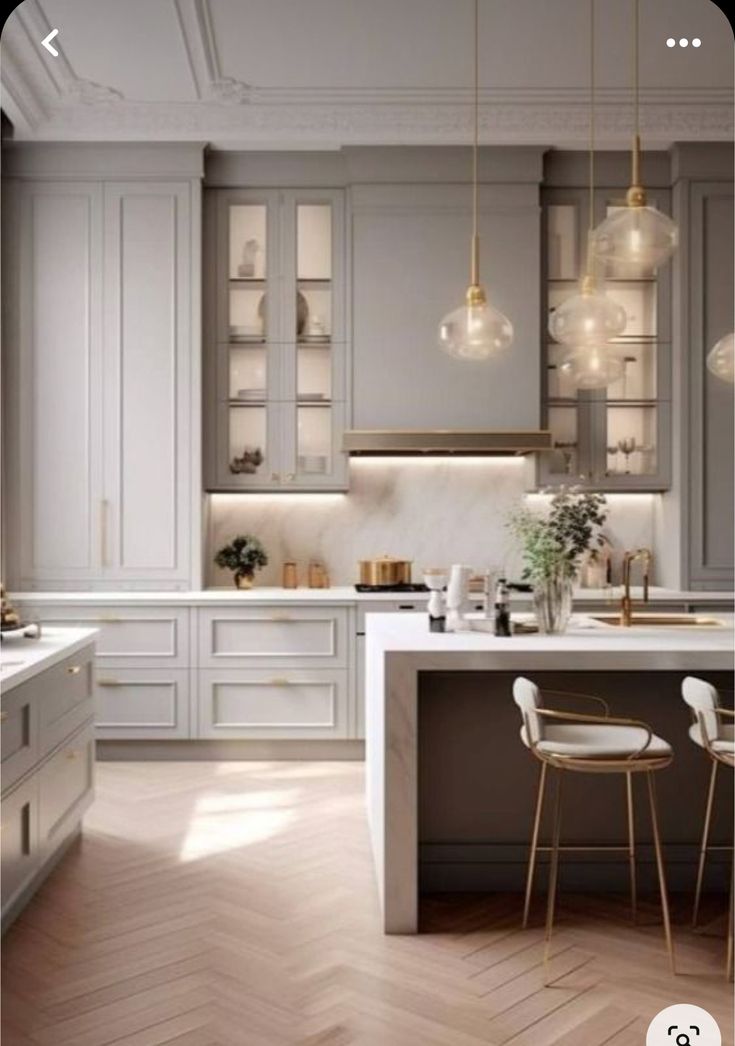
(721, 359)
(593, 366)
(587, 321)
(636, 239)
(476, 330)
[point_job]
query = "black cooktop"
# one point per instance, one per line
(391, 588)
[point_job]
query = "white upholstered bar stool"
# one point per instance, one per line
(713, 730)
(599, 744)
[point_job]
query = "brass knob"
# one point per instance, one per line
(72, 754)
(74, 670)
(291, 476)
(4, 716)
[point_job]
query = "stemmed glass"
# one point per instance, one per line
(627, 446)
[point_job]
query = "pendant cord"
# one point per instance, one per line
(635, 173)
(475, 267)
(592, 116)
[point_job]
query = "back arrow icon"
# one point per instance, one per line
(47, 42)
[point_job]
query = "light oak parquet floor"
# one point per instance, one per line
(233, 904)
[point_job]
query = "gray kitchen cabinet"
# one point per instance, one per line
(276, 342)
(101, 392)
(617, 438)
(703, 195)
(411, 257)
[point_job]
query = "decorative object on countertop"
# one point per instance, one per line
(11, 625)
(243, 556)
(553, 546)
(458, 598)
(385, 571)
(721, 359)
(318, 575)
(502, 610)
(476, 330)
(596, 569)
(636, 239)
(588, 320)
(436, 580)
(290, 574)
(251, 460)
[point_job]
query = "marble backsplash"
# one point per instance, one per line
(432, 511)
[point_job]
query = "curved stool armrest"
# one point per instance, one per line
(582, 717)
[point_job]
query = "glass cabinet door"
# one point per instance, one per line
(312, 452)
(248, 230)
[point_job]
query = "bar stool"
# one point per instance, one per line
(718, 741)
(597, 744)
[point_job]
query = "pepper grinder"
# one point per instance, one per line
(435, 579)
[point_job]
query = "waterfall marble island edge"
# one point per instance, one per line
(402, 656)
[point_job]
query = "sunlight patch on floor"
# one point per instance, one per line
(224, 822)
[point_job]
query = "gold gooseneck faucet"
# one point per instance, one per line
(626, 604)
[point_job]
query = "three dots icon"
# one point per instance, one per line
(684, 42)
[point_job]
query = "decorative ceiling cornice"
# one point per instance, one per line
(49, 101)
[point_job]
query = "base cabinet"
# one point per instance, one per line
(48, 772)
(20, 850)
(297, 704)
(142, 704)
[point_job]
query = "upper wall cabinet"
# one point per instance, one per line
(101, 406)
(276, 339)
(411, 263)
(616, 438)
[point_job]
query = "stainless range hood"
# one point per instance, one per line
(443, 442)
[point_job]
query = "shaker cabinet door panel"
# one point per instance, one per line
(19, 839)
(142, 704)
(57, 373)
(147, 331)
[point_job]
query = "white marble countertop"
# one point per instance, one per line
(408, 633)
(345, 594)
(21, 659)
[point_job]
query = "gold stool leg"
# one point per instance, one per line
(631, 848)
(553, 870)
(705, 840)
(534, 843)
(730, 918)
(660, 867)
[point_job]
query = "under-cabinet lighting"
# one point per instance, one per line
(435, 460)
(239, 500)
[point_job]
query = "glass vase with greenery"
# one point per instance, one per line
(243, 556)
(553, 545)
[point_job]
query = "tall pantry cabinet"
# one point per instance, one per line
(101, 346)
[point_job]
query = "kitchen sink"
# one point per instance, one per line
(661, 620)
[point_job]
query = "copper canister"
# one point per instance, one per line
(290, 574)
(385, 571)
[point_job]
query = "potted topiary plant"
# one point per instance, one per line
(243, 556)
(553, 545)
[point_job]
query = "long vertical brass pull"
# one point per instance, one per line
(104, 507)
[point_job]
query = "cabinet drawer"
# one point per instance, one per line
(387, 606)
(18, 839)
(18, 733)
(297, 704)
(142, 703)
(65, 784)
(314, 637)
(64, 696)
(155, 634)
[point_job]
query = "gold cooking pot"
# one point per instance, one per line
(385, 570)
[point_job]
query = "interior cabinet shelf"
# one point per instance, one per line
(616, 438)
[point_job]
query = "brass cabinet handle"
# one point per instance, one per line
(3, 716)
(74, 670)
(108, 619)
(110, 682)
(278, 681)
(291, 476)
(278, 617)
(73, 753)
(104, 506)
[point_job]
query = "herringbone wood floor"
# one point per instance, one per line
(233, 904)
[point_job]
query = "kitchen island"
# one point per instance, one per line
(47, 755)
(470, 789)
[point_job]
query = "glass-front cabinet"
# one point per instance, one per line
(616, 438)
(277, 340)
